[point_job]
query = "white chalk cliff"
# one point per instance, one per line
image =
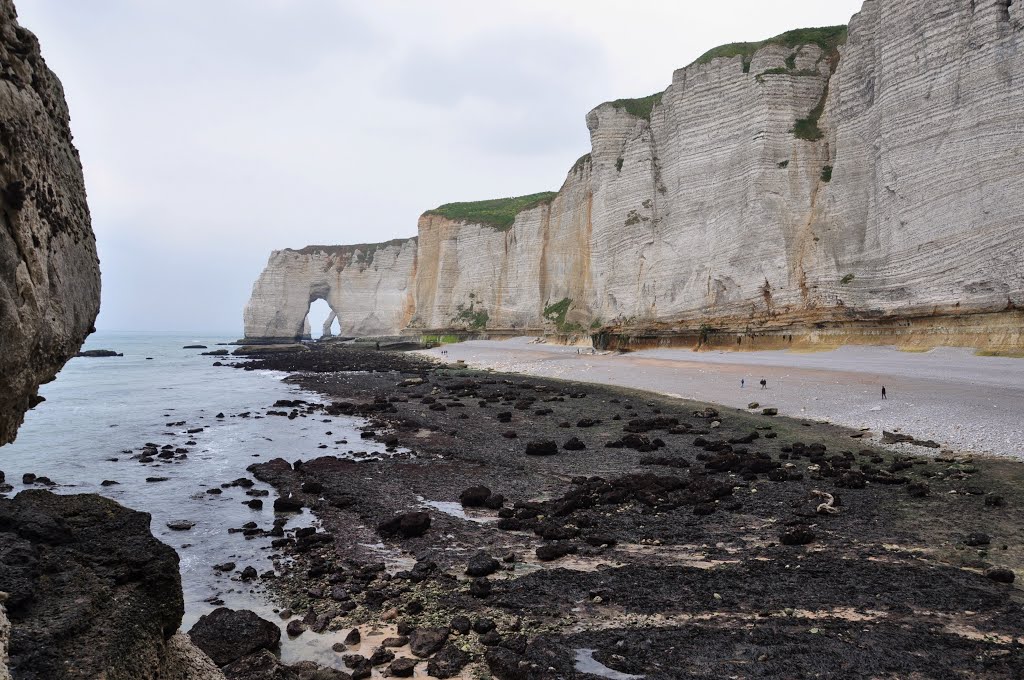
(794, 188)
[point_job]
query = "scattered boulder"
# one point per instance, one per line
(541, 448)
(402, 668)
(1000, 574)
(226, 635)
(287, 504)
(482, 564)
(474, 496)
(797, 536)
(977, 539)
(480, 587)
(426, 641)
(180, 525)
(448, 662)
(406, 525)
(574, 444)
(553, 551)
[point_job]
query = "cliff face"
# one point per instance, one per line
(49, 273)
(805, 184)
(369, 287)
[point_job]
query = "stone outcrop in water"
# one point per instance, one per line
(856, 186)
(49, 273)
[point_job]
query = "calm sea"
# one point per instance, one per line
(100, 409)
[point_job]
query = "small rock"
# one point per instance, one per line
(402, 668)
(797, 536)
(1000, 574)
(541, 448)
(977, 539)
(474, 496)
(482, 564)
(180, 525)
(448, 662)
(480, 587)
(553, 551)
(406, 525)
(426, 641)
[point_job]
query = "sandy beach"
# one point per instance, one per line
(949, 395)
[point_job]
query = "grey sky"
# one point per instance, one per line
(215, 131)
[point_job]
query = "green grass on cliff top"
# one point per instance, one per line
(641, 107)
(498, 213)
(827, 38)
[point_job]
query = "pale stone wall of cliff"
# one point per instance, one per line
(49, 273)
(369, 287)
(710, 211)
(510, 275)
(925, 123)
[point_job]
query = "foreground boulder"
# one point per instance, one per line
(227, 635)
(91, 592)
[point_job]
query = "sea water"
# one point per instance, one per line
(99, 408)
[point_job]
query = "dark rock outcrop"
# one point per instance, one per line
(49, 272)
(92, 593)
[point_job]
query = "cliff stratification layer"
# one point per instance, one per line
(49, 272)
(827, 183)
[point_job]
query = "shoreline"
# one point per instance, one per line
(641, 555)
(948, 395)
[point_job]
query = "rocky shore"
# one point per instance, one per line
(524, 527)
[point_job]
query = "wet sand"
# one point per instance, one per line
(949, 395)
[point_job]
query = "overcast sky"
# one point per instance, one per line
(215, 131)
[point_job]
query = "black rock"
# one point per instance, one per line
(541, 448)
(480, 587)
(406, 525)
(797, 536)
(482, 564)
(574, 444)
(977, 539)
(448, 662)
(483, 626)
(554, 551)
(402, 668)
(1000, 574)
(460, 624)
(474, 496)
(381, 656)
(426, 641)
(226, 635)
(287, 504)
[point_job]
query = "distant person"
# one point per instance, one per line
(883, 392)
(764, 384)
(378, 346)
(743, 383)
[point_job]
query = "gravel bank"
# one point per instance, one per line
(964, 402)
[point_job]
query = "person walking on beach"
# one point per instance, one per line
(743, 382)
(764, 384)
(883, 393)
(378, 346)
